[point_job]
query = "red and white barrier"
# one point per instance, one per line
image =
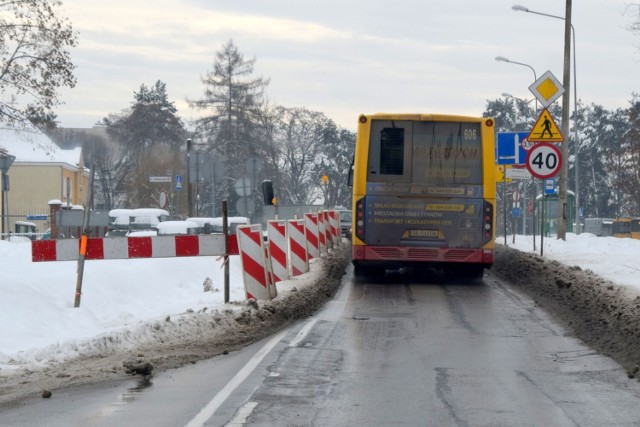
(322, 234)
(133, 247)
(277, 233)
(271, 281)
(327, 230)
(253, 255)
(334, 222)
(298, 247)
(312, 235)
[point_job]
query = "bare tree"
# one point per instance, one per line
(34, 60)
(300, 137)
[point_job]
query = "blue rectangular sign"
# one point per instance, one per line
(549, 186)
(509, 151)
(37, 217)
(178, 182)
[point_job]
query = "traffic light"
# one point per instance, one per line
(267, 192)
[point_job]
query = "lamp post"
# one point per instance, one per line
(519, 8)
(535, 76)
(190, 205)
(503, 59)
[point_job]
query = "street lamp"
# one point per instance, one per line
(503, 59)
(535, 76)
(519, 8)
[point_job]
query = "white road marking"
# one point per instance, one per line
(208, 411)
(303, 333)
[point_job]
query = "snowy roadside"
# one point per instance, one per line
(172, 340)
(602, 313)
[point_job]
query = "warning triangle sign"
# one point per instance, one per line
(545, 129)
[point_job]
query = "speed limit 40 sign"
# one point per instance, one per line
(544, 160)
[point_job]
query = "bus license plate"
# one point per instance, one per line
(424, 234)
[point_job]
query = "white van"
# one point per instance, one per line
(172, 228)
(214, 225)
(124, 221)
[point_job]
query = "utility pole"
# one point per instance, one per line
(190, 205)
(566, 105)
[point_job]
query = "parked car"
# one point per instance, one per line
(345, 222)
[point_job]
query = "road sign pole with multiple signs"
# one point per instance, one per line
(523, 155)
(547, 89)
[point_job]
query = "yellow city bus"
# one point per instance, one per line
(423, 193)
(634, 228)
(621, 227)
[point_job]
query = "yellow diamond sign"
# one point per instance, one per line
(547, 89)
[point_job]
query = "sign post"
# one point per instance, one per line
(544, 161)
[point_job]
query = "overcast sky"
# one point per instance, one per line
(346, 57)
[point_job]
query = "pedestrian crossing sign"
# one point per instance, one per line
(545, 129)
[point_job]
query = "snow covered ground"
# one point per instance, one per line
(40, 323)
(612, 258)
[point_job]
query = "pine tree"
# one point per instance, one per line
(148, 130)
(233, 107)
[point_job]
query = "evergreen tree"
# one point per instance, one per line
(151, 120)
(147, 131)
(631, 175)
(601, 162)
(232, 103)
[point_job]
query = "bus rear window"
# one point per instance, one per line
(392, 151)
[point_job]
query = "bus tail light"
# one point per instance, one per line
(359, 220)
(487, 214)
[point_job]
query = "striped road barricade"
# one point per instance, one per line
(299, 257)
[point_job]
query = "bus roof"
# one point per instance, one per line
(423, 117)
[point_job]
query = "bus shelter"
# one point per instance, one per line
(551, 205)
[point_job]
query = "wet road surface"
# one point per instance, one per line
(400, 350)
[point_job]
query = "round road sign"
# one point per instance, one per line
(163, 199)
(544, 160)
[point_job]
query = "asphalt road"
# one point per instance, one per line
(403, 350)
